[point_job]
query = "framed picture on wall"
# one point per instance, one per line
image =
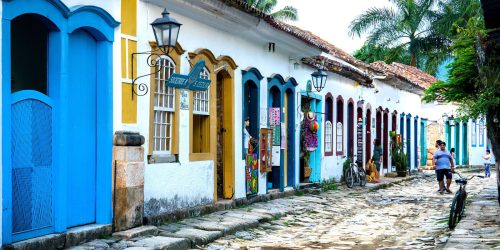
(266, 138)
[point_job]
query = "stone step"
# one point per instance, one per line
(136, 232)
(163, 243)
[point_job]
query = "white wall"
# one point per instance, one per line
(169, 187)
(195, 35)
(111, 6)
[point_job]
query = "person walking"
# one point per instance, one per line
(443, 162)
(487, 163)
(377, 156)
(438, 142)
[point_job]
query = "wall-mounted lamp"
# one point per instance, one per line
(319, 79)
(166, 31)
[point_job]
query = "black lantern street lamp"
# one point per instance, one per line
(319, 79)
(166, 31)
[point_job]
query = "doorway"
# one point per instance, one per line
(225, 150)
(350, 129)
(289, 108)
(274, 101)
(368, 140)
(385, 140)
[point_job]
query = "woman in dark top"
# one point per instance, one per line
(377, 153)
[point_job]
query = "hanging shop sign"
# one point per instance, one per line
(266, 137)
(192, 81)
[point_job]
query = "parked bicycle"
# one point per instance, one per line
(355, 174)
(458, 203)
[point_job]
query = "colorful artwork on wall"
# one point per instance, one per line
(266, 136)
(274, 117)
(251, 173)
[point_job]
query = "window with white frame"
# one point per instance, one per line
(164, 104)
(328, 136)
(201, 99)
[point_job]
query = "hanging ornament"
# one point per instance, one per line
(314, 126)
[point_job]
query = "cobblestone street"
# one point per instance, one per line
(409, 215)
(406, 215)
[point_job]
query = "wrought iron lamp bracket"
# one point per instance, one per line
(152, 62)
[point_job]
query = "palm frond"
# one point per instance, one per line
(285, 14)
(372, 18)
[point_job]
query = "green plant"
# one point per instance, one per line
(398, 155)
(328, 185)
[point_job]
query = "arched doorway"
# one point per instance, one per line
(251, 108)
(289, 112)
(408, 139)
(225, 152)
(385, 140)
(359, 133)
(350, 128)
(465, 144)
(274, 101)
(378, 124)
(394, 128)
(415, 141)
(368, 140)
(54, 178)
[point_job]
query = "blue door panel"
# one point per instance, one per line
(31, 152)
(81, 171)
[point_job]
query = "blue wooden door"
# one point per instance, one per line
(31, 151)
(81, 104)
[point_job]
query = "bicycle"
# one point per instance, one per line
(458, 203)
(355, 174)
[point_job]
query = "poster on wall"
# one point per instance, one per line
(276, 156)
(283, 136)
(184, 102)
(251, 174)
(274, 117)
(266, 137)
(276, 135)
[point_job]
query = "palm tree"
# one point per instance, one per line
(267, 6)
(407, 28)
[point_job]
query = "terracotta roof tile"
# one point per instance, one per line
(343, 69)
(406, 72)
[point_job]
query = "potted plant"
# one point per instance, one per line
(399, 157)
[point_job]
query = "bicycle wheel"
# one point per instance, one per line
(454, 211)
(349, 178)
(461, 206)
(362, 177)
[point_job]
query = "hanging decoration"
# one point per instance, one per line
(310, 134)
(251, 169)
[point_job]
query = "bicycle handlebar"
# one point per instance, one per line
(469, 178)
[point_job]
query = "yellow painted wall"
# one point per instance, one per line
(129, 17)
(129, 105)
(129, 46)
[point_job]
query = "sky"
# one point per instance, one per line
(330, 19)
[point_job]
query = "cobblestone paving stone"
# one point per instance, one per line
(407, 215)
(480, 228)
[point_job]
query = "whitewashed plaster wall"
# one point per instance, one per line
(195, 35)
(113, 7)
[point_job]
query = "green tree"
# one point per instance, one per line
(415, 32)
(474, 77)
(267, 6)
(405, 28)
(371, 53)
